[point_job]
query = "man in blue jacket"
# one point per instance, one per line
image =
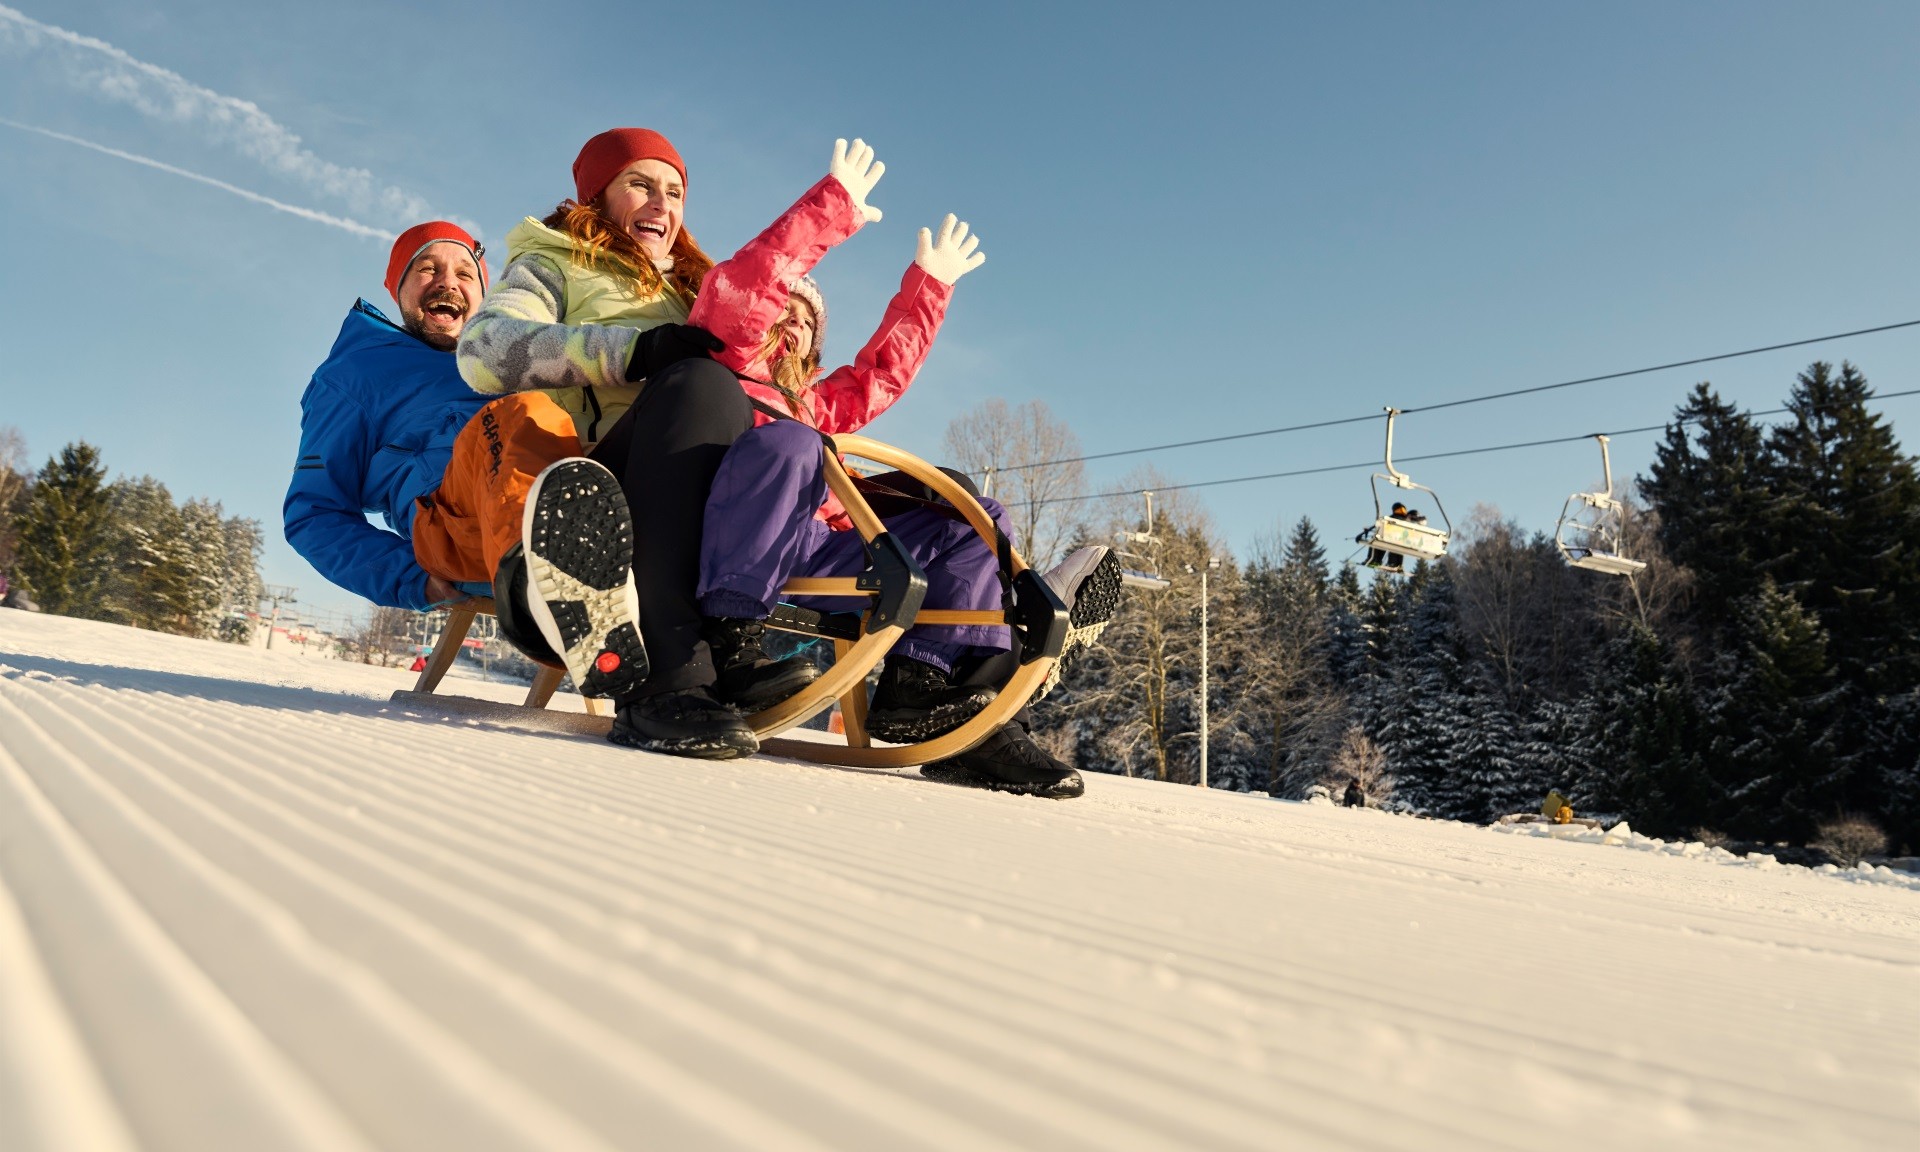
(377, 430)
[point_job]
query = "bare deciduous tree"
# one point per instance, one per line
(1360, 759)
(1018, 455)
(383, 639)
(1850, 839)
(13, 485)
(1655, 598)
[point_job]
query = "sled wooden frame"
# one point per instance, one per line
(459, 622)
(857, 649)
(846, 681)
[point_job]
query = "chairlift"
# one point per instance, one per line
(1394, 539)
(1588, 534)
(1147, 576)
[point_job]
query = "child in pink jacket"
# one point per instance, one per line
(765, 309)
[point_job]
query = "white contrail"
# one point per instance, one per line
(107, 72)
(340, 222)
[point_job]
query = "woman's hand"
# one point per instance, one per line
(667, 344)
(950, 255)
(858, 172)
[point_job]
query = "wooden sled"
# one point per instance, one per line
(895, 588)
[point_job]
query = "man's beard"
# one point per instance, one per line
(417, 320)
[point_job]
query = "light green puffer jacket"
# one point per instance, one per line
(553, 325)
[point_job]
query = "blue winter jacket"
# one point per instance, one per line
(377, 425)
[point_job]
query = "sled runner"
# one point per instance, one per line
(1396, 538)
(894, 588)
(1588, 534)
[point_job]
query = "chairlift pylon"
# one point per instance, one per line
(1392, 540)
(1588, 534)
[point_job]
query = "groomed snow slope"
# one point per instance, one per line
(246, 904)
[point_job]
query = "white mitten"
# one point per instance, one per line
(950, 255)
(858, 172)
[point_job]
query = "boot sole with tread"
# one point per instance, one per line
(1094, 605)
(578, 543)
(713, 747)
(947, 772)
(913, 725)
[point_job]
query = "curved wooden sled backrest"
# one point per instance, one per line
(846, 680)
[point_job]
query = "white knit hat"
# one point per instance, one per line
(807, 290)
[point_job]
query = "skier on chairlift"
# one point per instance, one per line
(1380, 557)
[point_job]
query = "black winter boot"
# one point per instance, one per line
(1009, 761)
(689, 722)
(749, 679)
(916, 701)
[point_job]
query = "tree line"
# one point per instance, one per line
(124, 551)
(1760, 679)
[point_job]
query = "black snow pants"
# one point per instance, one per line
(665, 450)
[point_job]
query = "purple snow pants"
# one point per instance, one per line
(761, 530)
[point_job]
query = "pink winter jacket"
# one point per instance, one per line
(744, 295)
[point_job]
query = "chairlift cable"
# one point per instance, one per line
(1427, 456)
(1459, 403)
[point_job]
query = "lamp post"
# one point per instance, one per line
(1213, 562)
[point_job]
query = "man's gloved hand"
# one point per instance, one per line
(950, 255)
(858, 172)
(669, 344)
(443, 594)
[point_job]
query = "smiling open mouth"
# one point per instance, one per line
(649, 231)
(445, 309)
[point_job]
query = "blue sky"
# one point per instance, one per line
(1199, 219)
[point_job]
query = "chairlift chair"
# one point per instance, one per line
(1146, 573)
(1393, 540)
(894, 589)
(1588, 534)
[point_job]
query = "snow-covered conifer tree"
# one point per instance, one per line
(65, 540)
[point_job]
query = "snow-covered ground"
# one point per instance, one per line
(246, 904)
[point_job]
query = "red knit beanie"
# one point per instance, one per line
(608, 154)
(414, 241)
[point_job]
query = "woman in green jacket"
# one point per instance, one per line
(592, 305)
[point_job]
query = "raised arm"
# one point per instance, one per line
(515, 341)
(743, 296)
(849, 398)
(322, 514)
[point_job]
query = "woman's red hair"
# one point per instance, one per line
(599, 245)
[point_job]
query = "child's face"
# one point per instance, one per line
(797, 323)
(647, 201)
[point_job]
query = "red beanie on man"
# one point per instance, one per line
(608, 154)
(415, 240)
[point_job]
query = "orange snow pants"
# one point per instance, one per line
(463, 529)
